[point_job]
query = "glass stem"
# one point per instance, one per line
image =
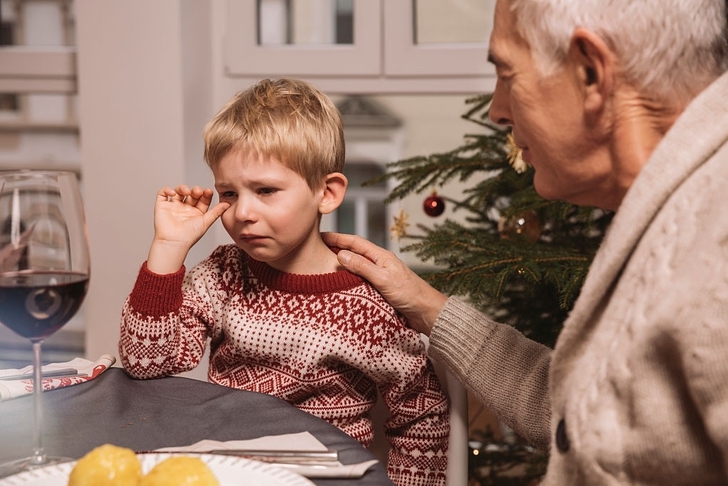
(39, 455)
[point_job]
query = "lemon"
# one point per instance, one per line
(107, 465)
(180, 471)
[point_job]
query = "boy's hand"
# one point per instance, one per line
(181, 217)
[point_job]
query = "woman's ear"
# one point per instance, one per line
(334, 190)
(593, 61)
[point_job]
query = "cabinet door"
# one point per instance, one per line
(437, 37)
(254, 48)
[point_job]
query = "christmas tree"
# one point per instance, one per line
(516, 256)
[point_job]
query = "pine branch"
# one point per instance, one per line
(480, 264)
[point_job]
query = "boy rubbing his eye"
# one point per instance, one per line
(275, 305)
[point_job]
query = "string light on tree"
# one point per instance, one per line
(434, 205)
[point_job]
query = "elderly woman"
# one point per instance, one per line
(620, 104)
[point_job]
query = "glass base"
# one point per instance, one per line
(28, 464)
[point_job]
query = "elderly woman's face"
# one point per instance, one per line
(547, 117)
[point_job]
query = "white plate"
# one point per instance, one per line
(229, 470)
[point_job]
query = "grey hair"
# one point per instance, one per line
(667, 48)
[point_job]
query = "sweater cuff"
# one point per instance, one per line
(458, 336)
(157, 295)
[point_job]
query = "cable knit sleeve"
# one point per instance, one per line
(419, 423)
(164, 323)
(508, 372)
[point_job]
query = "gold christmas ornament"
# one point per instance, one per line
(399, 228)
(524, 226)
(514, 156)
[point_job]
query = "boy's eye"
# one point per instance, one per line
(227, 194)
(266, 190)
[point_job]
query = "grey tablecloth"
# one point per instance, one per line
(174, 411)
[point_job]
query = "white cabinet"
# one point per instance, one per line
(396, 46)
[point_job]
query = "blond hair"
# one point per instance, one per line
(286, 119)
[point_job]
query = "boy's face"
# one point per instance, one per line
(273, 214)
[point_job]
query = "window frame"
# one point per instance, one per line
(32, 69)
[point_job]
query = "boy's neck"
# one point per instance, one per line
(313, 258)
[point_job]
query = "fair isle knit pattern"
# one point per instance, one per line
(324, 343)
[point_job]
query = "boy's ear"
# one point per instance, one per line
(334, 190)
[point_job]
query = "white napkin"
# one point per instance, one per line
(87, 370)
(302, 441)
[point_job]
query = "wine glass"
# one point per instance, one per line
(44, 272)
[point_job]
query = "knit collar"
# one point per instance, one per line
(295, 283)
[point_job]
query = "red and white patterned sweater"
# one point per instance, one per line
(324, 343)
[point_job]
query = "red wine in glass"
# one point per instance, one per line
(44, 272)
(36, 304)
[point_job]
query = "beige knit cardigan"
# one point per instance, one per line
(636, 390)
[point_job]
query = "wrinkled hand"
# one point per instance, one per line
(404, 290)
(181, 217)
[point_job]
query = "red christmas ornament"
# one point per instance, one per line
(434, 205)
